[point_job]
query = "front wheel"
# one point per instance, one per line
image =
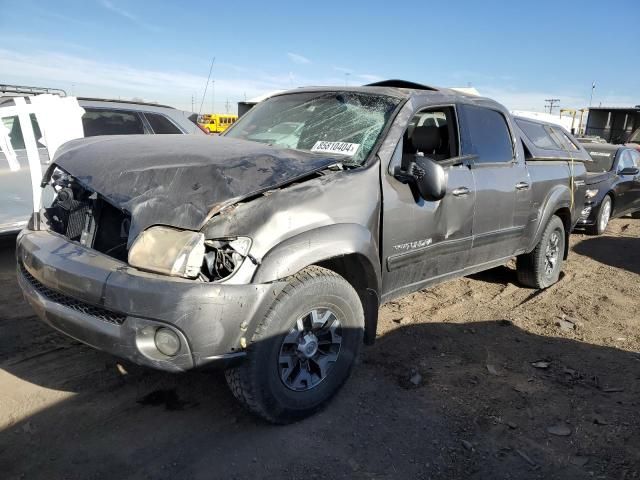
(603, 217)
(303, 350)
(541, 268)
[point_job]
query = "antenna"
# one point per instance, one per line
(206, 85)
(551, 102)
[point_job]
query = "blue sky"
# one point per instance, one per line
(517, 52)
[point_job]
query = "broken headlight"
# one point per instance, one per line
(224, 256)
(589, 194)
(179, 253)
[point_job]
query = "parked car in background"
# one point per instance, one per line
(272, 260)
(613, 185)
(101, 117)
(591, 139)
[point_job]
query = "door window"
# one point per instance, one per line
(626, 160)
(161, 124)
(99, 121)
(432, 132)
(15, 131)
(489, 135)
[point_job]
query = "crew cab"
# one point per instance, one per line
(272, 261)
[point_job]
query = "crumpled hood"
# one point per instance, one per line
(597, 177)
(180, 180)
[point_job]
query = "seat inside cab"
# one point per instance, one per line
(429, 133)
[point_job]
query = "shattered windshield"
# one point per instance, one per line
(341, 123)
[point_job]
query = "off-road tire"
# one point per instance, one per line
(531, 266)
(598, 228)
(257, 382)
(635, 214)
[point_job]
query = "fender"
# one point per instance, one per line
(558, 197)
(348, 248)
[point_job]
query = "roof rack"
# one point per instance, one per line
(114, 100)
(401, 84)
(16, 90)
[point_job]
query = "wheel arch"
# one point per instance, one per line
(558, 202)
(564, 213)
(350, 250)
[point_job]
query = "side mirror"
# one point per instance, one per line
(631, 171)
(427, 176)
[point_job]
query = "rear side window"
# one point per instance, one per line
(563, 139)
(98, 121)
(538, 135)
(161, 124)
(489, 135)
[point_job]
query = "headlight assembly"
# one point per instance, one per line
(589, 194)
(166, 250)
(224, 256)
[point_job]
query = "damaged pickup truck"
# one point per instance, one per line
(178, 252)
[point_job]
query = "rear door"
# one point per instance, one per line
(503, 186)
(423, 241)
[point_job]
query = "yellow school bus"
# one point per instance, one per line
(217, 122)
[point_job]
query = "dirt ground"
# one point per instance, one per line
(476, 378)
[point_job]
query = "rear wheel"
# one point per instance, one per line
(303, 350)
(603, 217)
(541, 268)
(635, 214)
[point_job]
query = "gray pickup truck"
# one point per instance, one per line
(179, 252)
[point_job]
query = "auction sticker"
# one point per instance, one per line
(343, 148)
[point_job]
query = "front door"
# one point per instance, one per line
(626, 192)
(503, 186)
(424, 241)
(16, 193)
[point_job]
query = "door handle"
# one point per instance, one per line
(522, 186)
(460, 191)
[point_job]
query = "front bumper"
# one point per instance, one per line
(589, 214)
(111, 306)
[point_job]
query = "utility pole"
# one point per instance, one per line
(593, 87)
(227, 105)
(551, 102)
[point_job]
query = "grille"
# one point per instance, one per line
(69, 302)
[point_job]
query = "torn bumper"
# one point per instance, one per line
(588, 215)
(106, 304)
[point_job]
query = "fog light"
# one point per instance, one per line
(167, 342)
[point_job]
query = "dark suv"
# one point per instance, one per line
(273, 261)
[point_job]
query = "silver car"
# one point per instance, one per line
(101, 117)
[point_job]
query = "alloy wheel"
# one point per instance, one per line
(310, 350)
(552, 253)
(605, 215)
